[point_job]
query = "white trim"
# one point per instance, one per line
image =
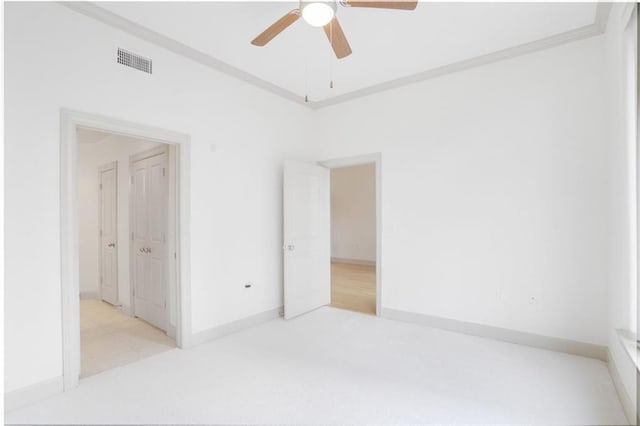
(100, 14)
(623, 396)
(113, 165)
(626, 14)
(235, 326)
(353, 261)
(96, 12)
(89, 295)
(33, 393)
(375, 158)
(69, 122)
(557, 344)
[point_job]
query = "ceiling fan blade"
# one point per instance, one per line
(280, 25)
(399, 4)
(336, 37)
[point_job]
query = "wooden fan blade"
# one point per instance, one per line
(400, 4)
(280, 25)
(336, 37)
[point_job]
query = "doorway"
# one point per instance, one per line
(307, 235)
(353, 238)
(178, 326)
(125, 307)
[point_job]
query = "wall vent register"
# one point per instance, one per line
(134, 60)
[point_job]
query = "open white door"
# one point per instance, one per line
(307, 251)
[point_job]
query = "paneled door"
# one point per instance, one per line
(149, 197)
(307, 251)
(109, 233)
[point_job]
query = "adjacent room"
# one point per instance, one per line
(124, 191)
(321, 212)
(353, 238)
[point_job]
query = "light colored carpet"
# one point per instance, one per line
(333, 366)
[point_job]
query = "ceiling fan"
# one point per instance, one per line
(319, 13)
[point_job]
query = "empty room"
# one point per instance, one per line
(321, 212)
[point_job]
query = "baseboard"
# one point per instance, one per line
(353, 261)
(89, 295)
(512, 336)
(125, 309)
(623, 396)
(34, 393)
(234, 327)
(171, 331)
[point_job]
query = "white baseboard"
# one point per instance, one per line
(623, 396)
(125, 309)
(353, 261)
(34, 393)
(512, 336)
(171, 331)
(89, 295)
(233, 327)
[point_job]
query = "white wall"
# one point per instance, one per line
(353, 213)
(621, 202)
(91, 156)
(494, 195)
(56, 58)
(494, 181)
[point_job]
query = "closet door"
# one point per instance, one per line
(108, 234)
(149, 219)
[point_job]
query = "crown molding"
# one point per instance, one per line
(106, 17)
(96, 12)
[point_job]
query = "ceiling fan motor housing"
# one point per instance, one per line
(318, 13)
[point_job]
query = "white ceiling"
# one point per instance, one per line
(387, 45)
(91, 136)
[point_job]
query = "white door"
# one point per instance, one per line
(108, 234)
(149, 227)
(307, 252)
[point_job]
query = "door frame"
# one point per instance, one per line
(358, 160)
(108, 166)
(170, 241)
(70, 121)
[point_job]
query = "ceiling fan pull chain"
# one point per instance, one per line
(306, 75)
(330, 57)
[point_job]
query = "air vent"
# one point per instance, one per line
(133, 60)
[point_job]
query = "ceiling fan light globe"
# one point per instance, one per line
(318, 14)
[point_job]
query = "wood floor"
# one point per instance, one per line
(353, 287)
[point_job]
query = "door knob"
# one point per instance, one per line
(142, 250)
(291, 247)
(112, 245)
(148, 249)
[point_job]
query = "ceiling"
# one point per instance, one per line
(91, 136)
(388, 45)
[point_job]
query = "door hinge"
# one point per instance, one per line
(163, 171)
(175, 256)
(100, 186)
(131, 180)
(164, 238)
(165, 304)
(100, 280)
(131, 236)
